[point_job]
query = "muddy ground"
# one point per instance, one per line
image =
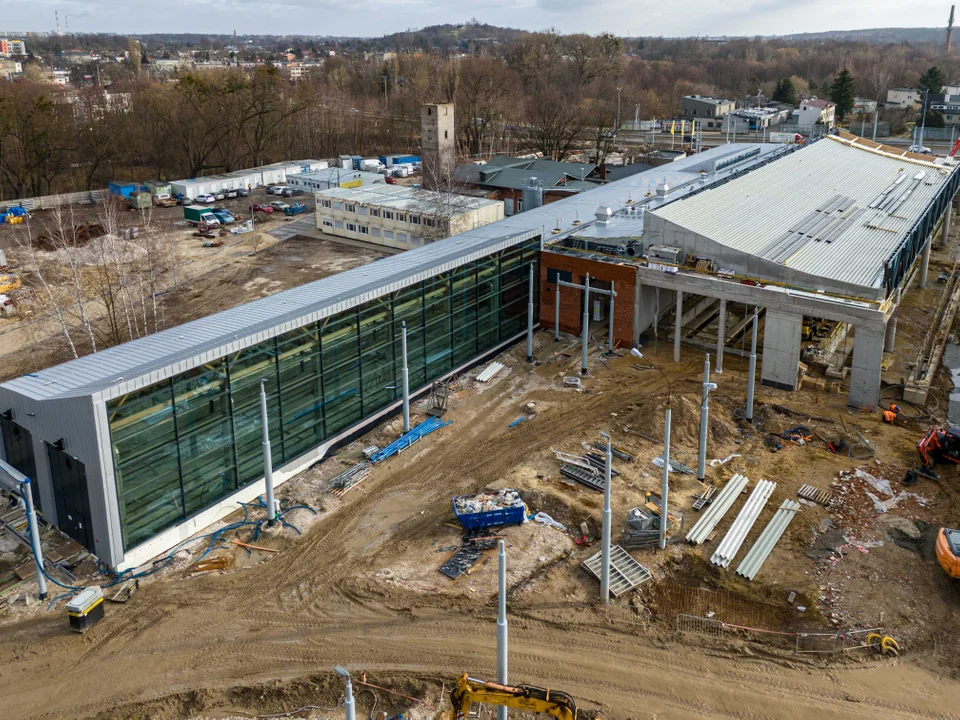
(361, 587)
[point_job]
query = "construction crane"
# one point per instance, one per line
(469, 690)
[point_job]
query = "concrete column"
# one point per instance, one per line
(530, 319)
(890, 335)
(678, 325)
(865, 368)
(556, 315)
(405, 377)
(610, 339)
(924, 263)
(586, 324)
(721, 330)
(945, 233)
(752, 376)
(781, 350)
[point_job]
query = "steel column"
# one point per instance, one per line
(605, 531)
(405, 375)
(502, 638)
(530, 319)
(556, 311)
(267, 456)
(586, 324)
(34, 537)
(704, 418)
(665, 487)
(613, 294)
(924, 263)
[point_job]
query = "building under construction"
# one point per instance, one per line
(141, 445)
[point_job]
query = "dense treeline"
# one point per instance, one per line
(541, 91)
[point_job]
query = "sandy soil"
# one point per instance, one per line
(361, 588)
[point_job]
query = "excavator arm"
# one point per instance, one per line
(469, 690)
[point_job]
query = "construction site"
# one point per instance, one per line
(678, 446)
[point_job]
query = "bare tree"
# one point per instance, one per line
(554, 125)
(439, 211)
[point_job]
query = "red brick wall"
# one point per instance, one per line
(623, 276)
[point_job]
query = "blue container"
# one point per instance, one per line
(493, 518)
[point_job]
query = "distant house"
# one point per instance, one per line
(949, 107)
(814, 111)
(862, 106)
(709, 110)
(757, 118)
(164, 65)
(904, 98)
(10, 47)
(10, 69)
(299, 70)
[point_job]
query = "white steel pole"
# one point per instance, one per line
(610, 340)
(348, 704)
(586, 324)
(502, 637)
(34, 537)
(702, 453)
(665, 488)
(605, 531)
(753, 365)
(267, 457)
(405, 377)
(556, 319)
(530, 319)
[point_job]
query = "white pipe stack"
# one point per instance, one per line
(733, 540)
(714, 513)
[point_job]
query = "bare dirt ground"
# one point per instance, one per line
(361, 588)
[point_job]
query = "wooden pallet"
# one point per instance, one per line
(821, 497)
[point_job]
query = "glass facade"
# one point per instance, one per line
(185, 443)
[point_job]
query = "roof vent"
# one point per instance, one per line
(603, 214)
(663, 189)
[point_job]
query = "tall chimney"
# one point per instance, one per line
(946, 49)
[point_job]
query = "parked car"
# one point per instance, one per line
(231, 194)
(278, 189)
(390, 180)
(242, 192)
(204, 198)
(279, 205)
(224, 215)
(260, 208)
(921, 149)
(163, 200)
(288, 192)
(184, 200)
(220, 195)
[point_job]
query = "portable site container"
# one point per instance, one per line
(397, 158)
(122, 189)
(273, 175)
(158, 187)
(246, 179)
(345, 161)
(356, 162)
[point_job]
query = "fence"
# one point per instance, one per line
(834, 642)
(866, 129)
(87, 197)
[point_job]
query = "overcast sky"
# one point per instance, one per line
(378, 17)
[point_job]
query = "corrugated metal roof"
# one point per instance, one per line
(403, 197)
(783, 211)
(140, 362)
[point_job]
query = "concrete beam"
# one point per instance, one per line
(774, 298)
(781, 350)
(865, 368)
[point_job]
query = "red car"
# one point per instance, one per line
(257, 207)
(390, 180)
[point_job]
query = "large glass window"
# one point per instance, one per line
(301, 390)
(247, 368)
(145, 462)
(183, 444)
(205, 435)
(341, 370)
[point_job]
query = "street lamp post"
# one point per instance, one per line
(348, 705)
(665, 485)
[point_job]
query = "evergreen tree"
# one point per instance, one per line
(932, 81)
(843, 92)
(785, 91)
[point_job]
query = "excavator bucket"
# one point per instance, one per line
(948, 551)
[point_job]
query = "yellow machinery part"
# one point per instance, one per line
(9, 283)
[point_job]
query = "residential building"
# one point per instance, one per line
(165, 65)
(9, 69)
(400, 216)
(438, 138)
(756, 118)
(708, 110)
(904, 98)
(814, 111)
(949, 107)
(863, 106)
(10, 47)
(299, 70)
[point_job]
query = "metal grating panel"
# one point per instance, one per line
(625, 572)
(718, 508)
(730, 545)
(758, 554)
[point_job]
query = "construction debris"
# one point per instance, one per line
(572, 382)
(625, 572)
(408, 439)
(822, 497)
(758, 554)
(718, 508)
(704, 498)
(474, 545)
(733, 540)
(490, 371)
(675, 465)
(349, 478)
(584, 477)
(487, 502)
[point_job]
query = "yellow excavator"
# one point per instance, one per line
(469, 690)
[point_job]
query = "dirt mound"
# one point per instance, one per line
(80, 236)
